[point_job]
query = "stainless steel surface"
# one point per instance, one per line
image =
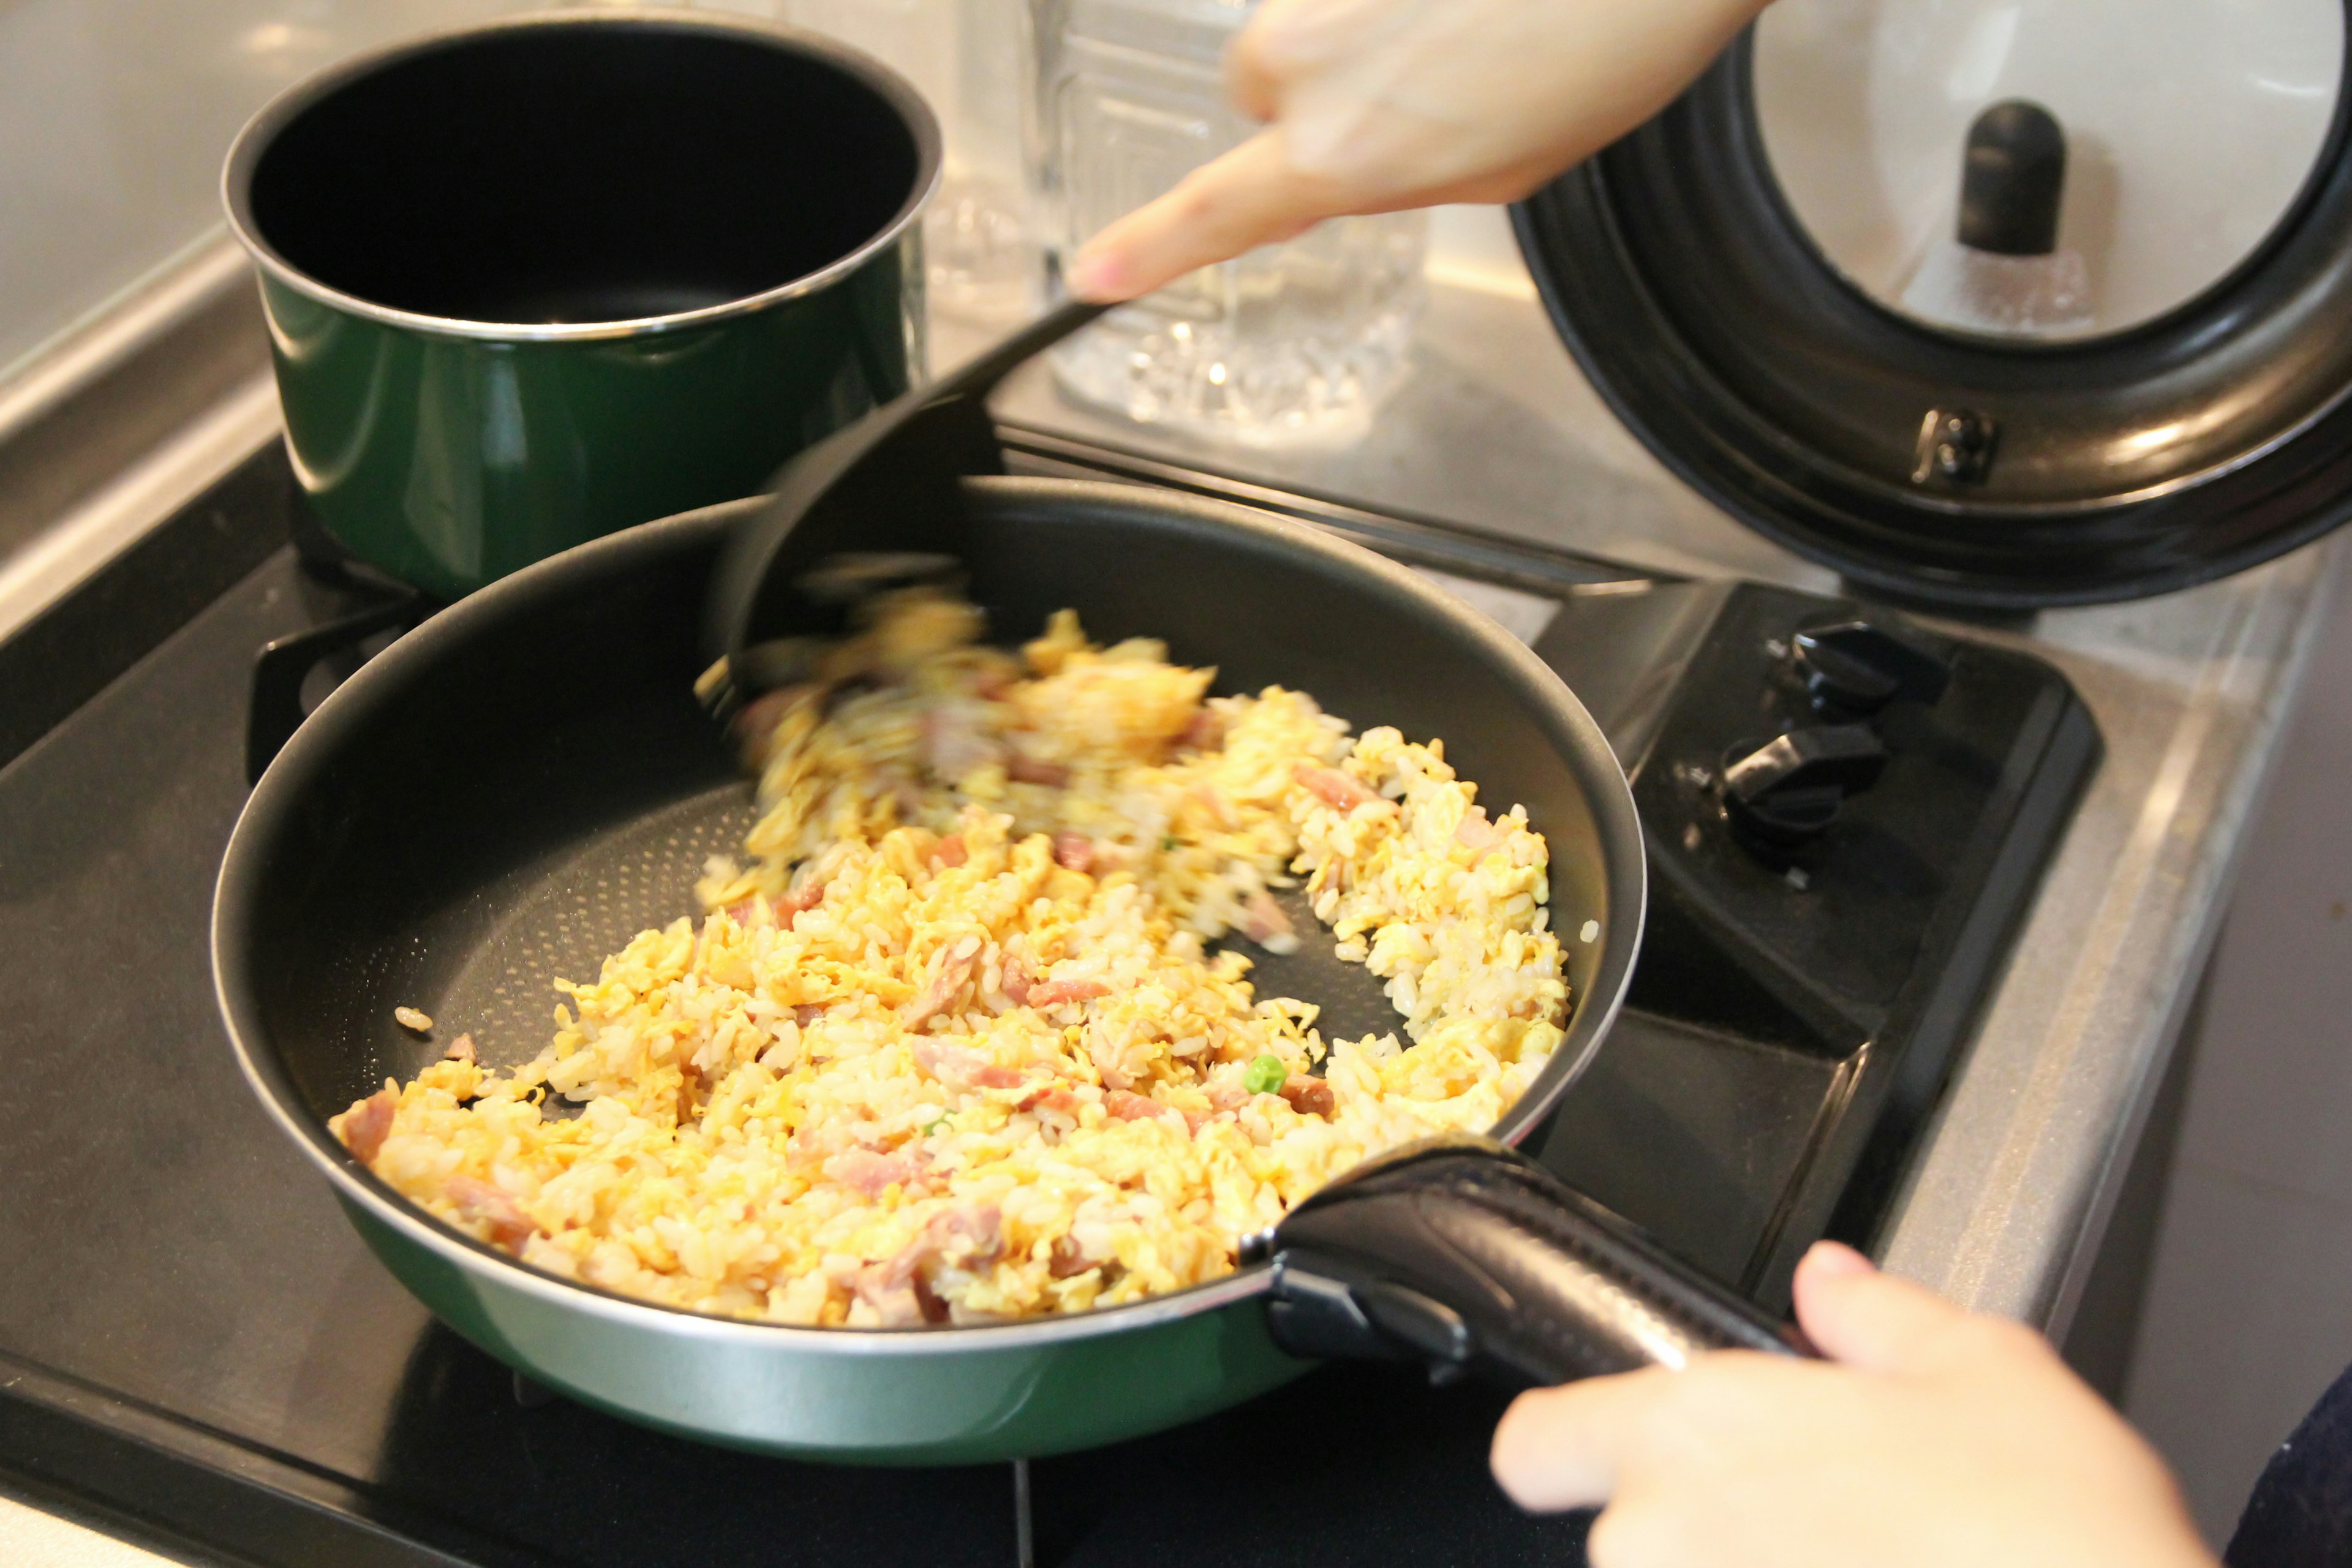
(2010, 1189)
(2006, 1205)
(113, 427)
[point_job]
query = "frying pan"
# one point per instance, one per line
(520, 783)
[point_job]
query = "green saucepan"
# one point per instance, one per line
(530, 282)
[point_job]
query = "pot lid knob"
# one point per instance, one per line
(1786, 792)
(2012, 180)
(1856, 667)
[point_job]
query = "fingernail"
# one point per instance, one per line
(1836, 1260)
(1093, 276)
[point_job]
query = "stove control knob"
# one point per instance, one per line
(1857, 666)
(1785, 793)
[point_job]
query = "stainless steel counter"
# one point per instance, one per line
(2006, 1201)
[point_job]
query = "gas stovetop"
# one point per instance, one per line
(1847, 818)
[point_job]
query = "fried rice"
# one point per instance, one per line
(968, 1035)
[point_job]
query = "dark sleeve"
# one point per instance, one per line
(2299, 1515)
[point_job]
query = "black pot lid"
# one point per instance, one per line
(1991, 467)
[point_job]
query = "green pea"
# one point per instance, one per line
(1265, 1075)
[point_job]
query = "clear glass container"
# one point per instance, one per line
(1293, 342)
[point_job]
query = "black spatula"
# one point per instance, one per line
(893, 474)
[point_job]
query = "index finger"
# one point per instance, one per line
(1564, 1447)
(1249, 197)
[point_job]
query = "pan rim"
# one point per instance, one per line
(313, 746)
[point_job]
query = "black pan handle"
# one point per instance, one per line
(1462, 1254)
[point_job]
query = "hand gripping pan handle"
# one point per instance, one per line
(1461, 1254)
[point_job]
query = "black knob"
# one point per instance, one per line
(1787, 791)
(2014, 180)
(1858, 667)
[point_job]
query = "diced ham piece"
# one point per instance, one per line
(966, 1240)
(1054, 993)
(461, 1049)
(950, 742)
(1309, 1096)
(1016, 982)
(1131, 1107)
(1263, 923)
(970, 1239)
(1476, 834)
(1064, 1261)
(950, 851)
(368, 1123)
(492, 1205)
(1228, 1096)
(1205, 733)
(810, 1147)
(1074, 852)
(1332, 787)
(1024, 769)
(1214, 801)
(761, 716)
(961, 1069)
(1051, 1098)
(871, 1173)
(807, 896)
(939, 995)
(895, 1299)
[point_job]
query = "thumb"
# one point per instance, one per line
(1856, 1315)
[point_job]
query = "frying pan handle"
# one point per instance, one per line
(1459, 1253)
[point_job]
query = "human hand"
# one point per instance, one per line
(1940, 1440)
(1375, 106)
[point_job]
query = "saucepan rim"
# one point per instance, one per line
(262, 130)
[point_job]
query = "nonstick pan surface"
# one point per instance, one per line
(521, 784)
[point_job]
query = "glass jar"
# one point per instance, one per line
(1292, 343)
